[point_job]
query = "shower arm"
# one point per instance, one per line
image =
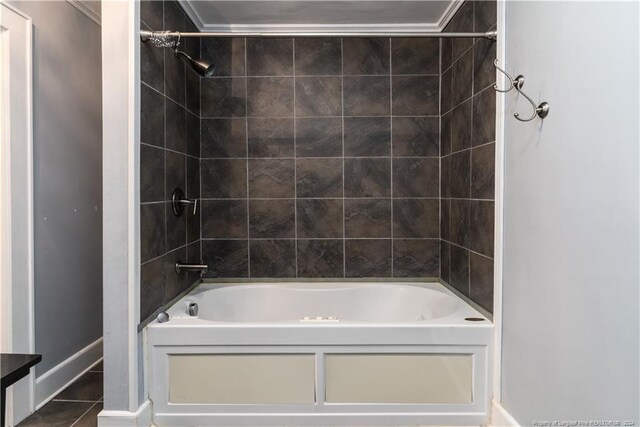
(491, 35)
(181, 54)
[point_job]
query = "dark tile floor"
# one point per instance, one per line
(77, 405)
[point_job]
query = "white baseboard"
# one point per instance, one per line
(140, 418)
(62, 375)
(500, 417)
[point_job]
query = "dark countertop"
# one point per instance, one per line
(15, 366)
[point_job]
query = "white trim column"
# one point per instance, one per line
(17, 334)
(121, 222)
(499, 203)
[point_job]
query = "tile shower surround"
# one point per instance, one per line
(320, 158)
(169, 158)
(468, 153)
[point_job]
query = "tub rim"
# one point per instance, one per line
(455, 319)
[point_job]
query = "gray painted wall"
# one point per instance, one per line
(570, 322)
(67, 140)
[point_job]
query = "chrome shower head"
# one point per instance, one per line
(201, 66)
(171, 40)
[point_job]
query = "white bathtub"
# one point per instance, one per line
(295, 354)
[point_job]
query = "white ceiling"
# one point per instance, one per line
(293, 16)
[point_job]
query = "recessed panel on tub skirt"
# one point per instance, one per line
(242, 378)
(399, 378)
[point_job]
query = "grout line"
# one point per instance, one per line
(473, 95)
(321, 238)
(467, 199)
(85, 413)
(166, 195)
(468, 250)
(164, 62)
(160, 256)
(440, 156)
(448, 184)
(185, 72)
(323, 158)
(344, 230)
(198, 241)
(200, 164)
(246, 139)
(471, 144)
(188, 110)
(312, 76)
(147, 27)
(391, 143)
(165, 89)
(187, 193)
(168, 150)
(295, 166)
(321, 117)
(473, 19)
(315, 198)
(455, 60)
(468, 149)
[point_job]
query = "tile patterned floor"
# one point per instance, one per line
(76, 406)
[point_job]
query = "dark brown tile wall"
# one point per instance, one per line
(320, 158)
(169, 158)
(467, 154)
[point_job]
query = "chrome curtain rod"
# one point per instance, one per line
(147, 35)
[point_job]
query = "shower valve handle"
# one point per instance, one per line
(189, 202)
(179, 201)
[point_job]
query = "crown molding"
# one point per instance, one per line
(192, 14)
(449, 13)
(86, 10)
(294, 29)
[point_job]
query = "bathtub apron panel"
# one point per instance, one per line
(315, 365)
